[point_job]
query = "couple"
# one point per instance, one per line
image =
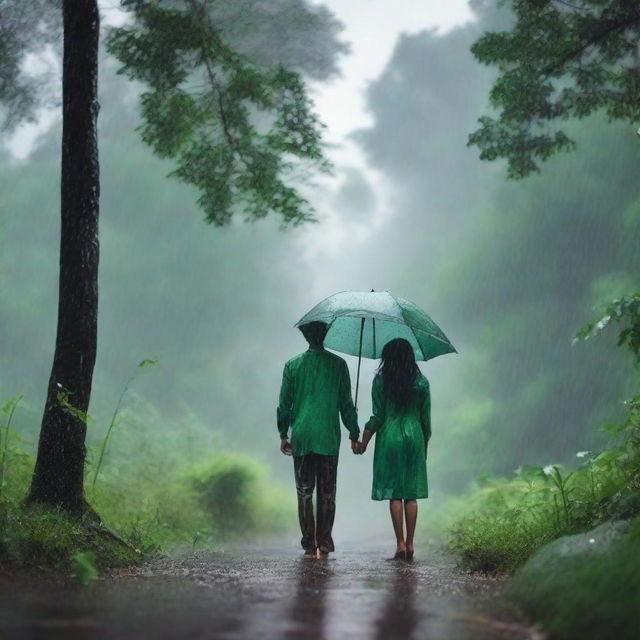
(316, 390)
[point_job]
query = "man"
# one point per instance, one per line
(316, 388)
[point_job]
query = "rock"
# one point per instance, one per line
(596, 541)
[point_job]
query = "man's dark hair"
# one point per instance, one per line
(314, 332)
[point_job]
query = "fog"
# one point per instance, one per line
(508, 270)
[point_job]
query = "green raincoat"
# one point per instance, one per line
(316, 388)
(399, 461)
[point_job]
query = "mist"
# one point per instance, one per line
(509, 271)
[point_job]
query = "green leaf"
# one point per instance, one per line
(556, 64)
(613, 429)
(9, 406)
(84, 567)
(236, 130)
(63, 398)
(146, 363)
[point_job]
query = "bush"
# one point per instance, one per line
(235, 492)
(156, 491)
(502, 522)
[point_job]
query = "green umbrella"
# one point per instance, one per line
(362, 322)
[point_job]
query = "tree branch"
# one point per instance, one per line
(578, 51)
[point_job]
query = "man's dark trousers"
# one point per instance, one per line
(316, 471)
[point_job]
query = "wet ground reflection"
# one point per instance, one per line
(399, 617)
(264, 593)
(308, 609)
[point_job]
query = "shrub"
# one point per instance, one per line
(235, 492)
(501, 522)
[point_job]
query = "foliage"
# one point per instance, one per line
(165, 489)
(22, 93)
(141, 365)
(63, 397)
(513, 268)
(84, 567)
(501, 522)
(622, 310)
(48, 538)
(594, 595)
(159, 491)
(560, 60)
(8, 409)
(234, 492)
(233, 128)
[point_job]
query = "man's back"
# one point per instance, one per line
(315, 389)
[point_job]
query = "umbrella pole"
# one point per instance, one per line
(359, 360)
(373, 320)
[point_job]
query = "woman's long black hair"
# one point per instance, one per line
(399, 371)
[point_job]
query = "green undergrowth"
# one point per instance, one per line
(157, 491)
(588, 595)
(500, 522)
(40, 538)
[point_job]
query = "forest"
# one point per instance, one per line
(524, 249)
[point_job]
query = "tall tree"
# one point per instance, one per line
(58, 474)
(560, 60)
(236, 129)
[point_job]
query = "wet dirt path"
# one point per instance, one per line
(265, 592)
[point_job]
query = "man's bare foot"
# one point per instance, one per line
(322, 553)
(310, 553)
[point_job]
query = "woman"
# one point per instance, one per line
(402, 423)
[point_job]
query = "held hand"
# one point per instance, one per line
(285, 448)
(363, 447)
(356, 447)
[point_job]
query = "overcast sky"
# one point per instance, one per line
(372, 27)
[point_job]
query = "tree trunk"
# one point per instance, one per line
(58, 476)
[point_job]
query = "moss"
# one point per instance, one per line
(47, 538)
(586, 594)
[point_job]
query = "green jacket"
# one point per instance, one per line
(316, 388)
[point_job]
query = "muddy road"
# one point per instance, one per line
(265, 592)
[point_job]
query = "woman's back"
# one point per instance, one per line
(414, 401)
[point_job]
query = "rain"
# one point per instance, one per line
(196, 321)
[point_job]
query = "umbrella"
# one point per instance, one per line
(362, 322)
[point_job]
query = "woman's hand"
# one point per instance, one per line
(367, 434)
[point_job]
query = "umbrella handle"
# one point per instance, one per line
(359, 360)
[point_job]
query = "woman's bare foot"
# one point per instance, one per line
(401, 551)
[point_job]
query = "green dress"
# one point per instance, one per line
(400, 458)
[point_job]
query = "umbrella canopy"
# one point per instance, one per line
(362, 322)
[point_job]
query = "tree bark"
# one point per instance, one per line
(58, 478)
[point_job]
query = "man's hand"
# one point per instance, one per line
(285, 447)
(356, 447)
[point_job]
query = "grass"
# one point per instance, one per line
(500, 522)
(156, 491)
(40, 538)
